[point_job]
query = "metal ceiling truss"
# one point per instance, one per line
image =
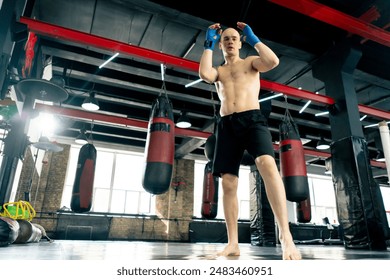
(86, 39)
(58, 32)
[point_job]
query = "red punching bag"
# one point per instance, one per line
(210, 193)
(303, 211)
(292, 160)
(159, 148)
(81, 200)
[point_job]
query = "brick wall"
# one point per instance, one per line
(174, 208)
(46, 187)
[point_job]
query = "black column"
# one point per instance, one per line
(359, 203)
(16, 140)
(6, 44)
(262, 226)
(10, 30)
(15, 145)
(14, 148)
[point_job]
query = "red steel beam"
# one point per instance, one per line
(299, 93)
(324, 155)
(92, 116)
(374, 112)
(338, 19)
(50, 30)
(63, 33)
(54, 31)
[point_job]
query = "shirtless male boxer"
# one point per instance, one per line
(243, 127)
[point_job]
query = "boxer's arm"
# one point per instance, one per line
(206, 70)
(267, 59)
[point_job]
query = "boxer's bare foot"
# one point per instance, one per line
(230, 250)
(290, 251)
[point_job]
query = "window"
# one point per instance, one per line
(323, 199)
(118, 188)
(242, 192)
(117, 183)
(322, 196)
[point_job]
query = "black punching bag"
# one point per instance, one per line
(303, 211)
(81, 200)
(209, 147)
(159, 148)
(210, 193)
(292, 160)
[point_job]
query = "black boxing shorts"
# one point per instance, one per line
(236, 133)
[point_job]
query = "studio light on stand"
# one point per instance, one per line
(81, 138)
(90, 103)
(322, 144)
(183, 121)
(45, 144)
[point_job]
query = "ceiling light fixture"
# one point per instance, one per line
(362, 118)
(305, 106)
(183, 121)
(322, 144)
(374, 124)
(270, 97)
(162, 66)
(90, 103)
(193, 83)
(322, 113)
(371, 125)
(108, 60)
(81, 138)
(305, 140)
(189, 49)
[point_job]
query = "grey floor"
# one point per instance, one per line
(138, 250)
(107, 260)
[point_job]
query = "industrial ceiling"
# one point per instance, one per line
(155, 37)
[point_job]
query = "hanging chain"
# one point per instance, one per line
(91, 137)
(287, 114)
(163, 88)
(163, 66)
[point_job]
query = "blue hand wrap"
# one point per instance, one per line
(212, 37)
(250, 37)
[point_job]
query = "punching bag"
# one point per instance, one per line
(303, 211)
(210, 193)
(9, 230)
(159, 148)
(292, 160)
(209, 147)
(28, 233)
(81, 200)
